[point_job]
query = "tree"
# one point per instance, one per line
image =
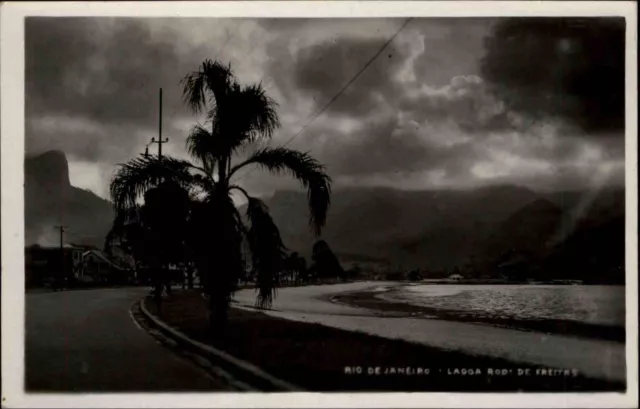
(237, 117)
(354, 272)
(127, 232)
(414, 275)
(154, 232)
(165, 216)
(326, 264)
(295, 268)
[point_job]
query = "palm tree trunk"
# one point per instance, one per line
(218, 313)
(157, 292)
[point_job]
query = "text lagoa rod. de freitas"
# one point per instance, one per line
(409, 370)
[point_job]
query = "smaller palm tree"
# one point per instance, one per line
(237, 117)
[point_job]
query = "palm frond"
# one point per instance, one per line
(205, 146)
(134, 178)
(123, 217)
(259, 111)
(246, 116)
(267, 250)
(305, 169)
(121, 227)
(213, 76)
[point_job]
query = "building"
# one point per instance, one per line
(455, 277)
(47, 263)
(98, 268)
(121, 258)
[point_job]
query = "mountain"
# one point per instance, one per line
(583, 241)
(51, 200)
(524, 235)
(591, 245)
(408, 228)
(473, 230)
(485, 231)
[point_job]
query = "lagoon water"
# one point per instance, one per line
(592, 304)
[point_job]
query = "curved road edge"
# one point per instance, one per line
(245, 371)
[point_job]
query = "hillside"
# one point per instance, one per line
(473, 230)
(51, 200)
(525, 235)
(481, 232)
(405, 227)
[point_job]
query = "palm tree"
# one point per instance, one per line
(237, 117)
(154, 233)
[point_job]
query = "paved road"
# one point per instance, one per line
(87, 341)
(592, 357)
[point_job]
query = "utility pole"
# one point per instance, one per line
(159, 141)
(62, 230)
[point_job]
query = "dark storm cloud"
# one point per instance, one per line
(322, 70)
(432, 53)
(453, 48)
(465, 102)
(390, 145)
(423, 106)
(73, 67)
(319, 71)
(563, 67)
(101, 72)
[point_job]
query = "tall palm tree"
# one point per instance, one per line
(237, 116)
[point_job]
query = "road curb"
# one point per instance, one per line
(244, 370)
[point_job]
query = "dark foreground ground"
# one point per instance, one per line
(319, 358)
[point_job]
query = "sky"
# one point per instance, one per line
(449, 103)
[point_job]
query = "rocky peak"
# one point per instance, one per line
(50, 170)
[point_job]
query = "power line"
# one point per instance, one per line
(348, 83)
(353, 79)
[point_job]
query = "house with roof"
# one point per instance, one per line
(43, 263)
(98, 268)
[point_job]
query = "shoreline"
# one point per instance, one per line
(370, 301)
(325, 359)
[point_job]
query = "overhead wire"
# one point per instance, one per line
(342, 90)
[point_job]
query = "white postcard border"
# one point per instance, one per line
(12, 167)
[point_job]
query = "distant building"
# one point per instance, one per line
(45, 263)
(455, 277)
(97, 267)
(120, 257)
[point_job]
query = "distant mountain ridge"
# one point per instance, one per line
(51, 200)
(396, 224)
(471, 230)
(571, 233)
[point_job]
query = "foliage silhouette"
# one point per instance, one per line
(295, 269)
(155, 233)
(325, 262)
(237, 117)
